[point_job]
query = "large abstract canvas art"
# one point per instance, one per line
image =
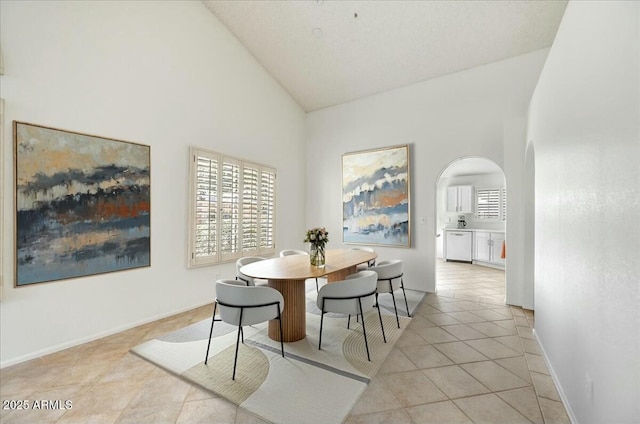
(375, 197)
(82, 204)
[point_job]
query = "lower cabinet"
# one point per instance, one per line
(488, 248)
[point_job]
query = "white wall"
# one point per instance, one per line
(529, 195)
(442, 120)
(166, 74)
(585, 126)
(517, 292)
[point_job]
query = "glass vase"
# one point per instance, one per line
(316, 255)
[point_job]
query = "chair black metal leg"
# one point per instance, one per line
(395, 307)
(213, 319)
(243, 280)
(405, 297)
(382, 326)
(240, 323)
(321, 320)
(348, 321)
(364, 331)
(317, 287)
(235, 359)
(280, 321)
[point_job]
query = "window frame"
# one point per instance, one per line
(500, 206)
(224, 212)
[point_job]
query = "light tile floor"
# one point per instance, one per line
(465, 358)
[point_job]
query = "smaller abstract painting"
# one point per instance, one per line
(82, 204)
(375, 197)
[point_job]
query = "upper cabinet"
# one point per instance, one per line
(460, 199)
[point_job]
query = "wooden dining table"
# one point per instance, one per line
(288, 274)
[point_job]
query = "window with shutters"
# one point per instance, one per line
(503, 203)
(267, 209)
(491, 203)
(232, 211)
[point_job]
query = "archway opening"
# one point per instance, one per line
(471, 214)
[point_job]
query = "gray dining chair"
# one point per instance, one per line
(287, 252)
(372, 262)
(390, 279)
(352, 296)
(243, 305)
(250, 281)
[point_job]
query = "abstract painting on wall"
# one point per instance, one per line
(375, 197)
(82, 204)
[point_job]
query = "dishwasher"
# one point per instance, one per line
(458, 245)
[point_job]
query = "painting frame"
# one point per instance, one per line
(2, 203)
(82, 205)
(376, 197)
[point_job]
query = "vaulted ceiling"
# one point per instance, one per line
(329, 52)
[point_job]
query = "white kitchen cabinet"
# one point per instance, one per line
(488, 247)
(458, 245)
(460, 199)
(482, 251)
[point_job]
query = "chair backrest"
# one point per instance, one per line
(372, 262)
(342, 296)
(287, 252)
(232, 296)
(366, 249)
(246, 261)
(388, 270)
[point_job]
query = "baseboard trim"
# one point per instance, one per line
(82, 340)
(556, 381)
(501, 267)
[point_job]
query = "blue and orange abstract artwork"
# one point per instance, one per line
(83, 204)
(375, 197)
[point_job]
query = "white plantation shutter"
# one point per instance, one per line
(250, 193)
(491, 203)
(503, 204)
(267, 210)
(232, 208)
(488, 203)
(205, 241)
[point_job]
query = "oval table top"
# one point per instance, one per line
(298, 267)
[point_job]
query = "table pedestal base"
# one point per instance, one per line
(341, 274)
(294, 315)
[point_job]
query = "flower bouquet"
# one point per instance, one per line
(317, 238)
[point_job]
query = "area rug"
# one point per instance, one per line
(307, 385)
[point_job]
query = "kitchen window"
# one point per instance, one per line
(491, 203)
(232, 208)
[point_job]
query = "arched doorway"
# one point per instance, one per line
(470, 221)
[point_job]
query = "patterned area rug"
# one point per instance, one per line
(307, 385)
